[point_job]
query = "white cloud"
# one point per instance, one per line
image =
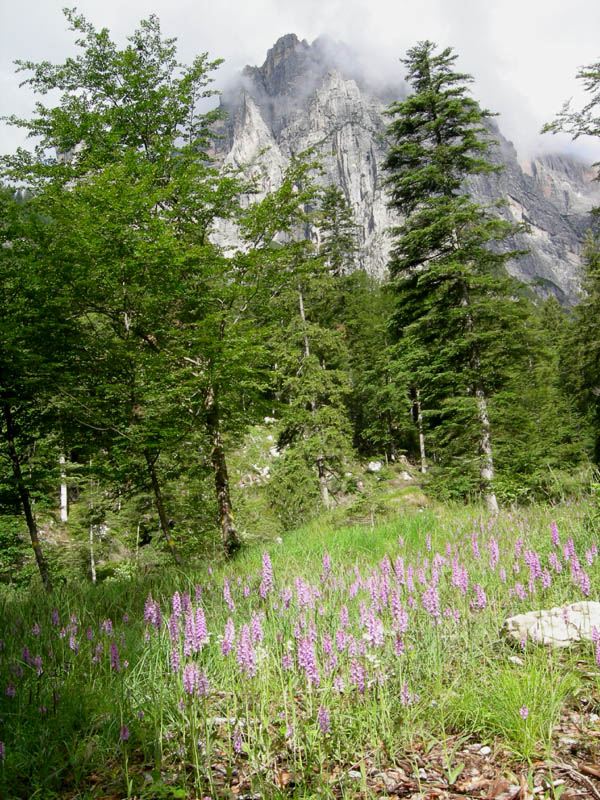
(524, 54)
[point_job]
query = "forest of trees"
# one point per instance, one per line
(137, 353)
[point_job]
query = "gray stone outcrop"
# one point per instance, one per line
(312, 96)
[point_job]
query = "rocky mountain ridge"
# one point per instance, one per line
(312, 96)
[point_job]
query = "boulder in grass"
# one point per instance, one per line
(561, 626)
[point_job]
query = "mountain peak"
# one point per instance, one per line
(283, 47)
(286, 62)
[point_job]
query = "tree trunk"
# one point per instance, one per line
(303, 318)
(64, 507)
(421, 432)
(323, 481)
(486, 462)
(313, 405)
(230, 538)
(25, 496)
(92, 559)
(391, 449)
(137, 544)
(486, 468)
(160, 507)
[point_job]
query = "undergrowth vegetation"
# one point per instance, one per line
(299, 659)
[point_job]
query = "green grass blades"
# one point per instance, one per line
(304, 666)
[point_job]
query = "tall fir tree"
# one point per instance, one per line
(584, 377)
(581, 353)
(338, 232)
(457, 317)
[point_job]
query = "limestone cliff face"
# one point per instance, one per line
(553, 195)
(310, 96)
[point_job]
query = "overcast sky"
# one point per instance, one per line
(524, 54)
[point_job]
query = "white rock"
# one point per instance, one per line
(556, 627)
(375, 466)
(406, 476)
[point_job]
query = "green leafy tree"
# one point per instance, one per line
(166, 316)
(121, 175)
(27, 419)
(457, 317)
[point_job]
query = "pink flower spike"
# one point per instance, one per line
(245, 653)
(228, 637)
(524, 712)
(267, 572)
(114, 657)
(256, 628)
(324, 722)
(237, 741)
(190, 677)
(200, 630)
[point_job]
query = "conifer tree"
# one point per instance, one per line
(585, 122)
(585, 340)
(338, 230)
(313, 371)
(456, 315)
(581, 354)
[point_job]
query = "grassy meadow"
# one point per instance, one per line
(334, 662)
